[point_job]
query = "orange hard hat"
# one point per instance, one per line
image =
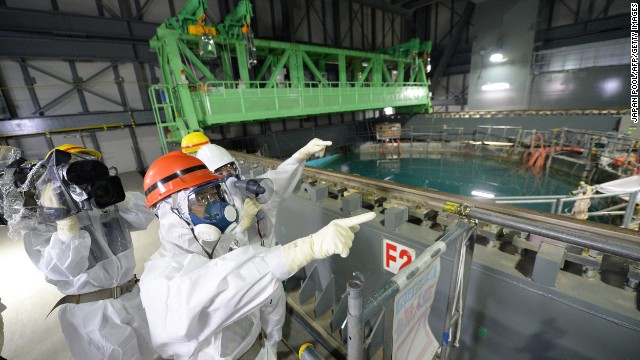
(173, 172)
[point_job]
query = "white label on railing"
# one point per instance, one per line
(412, 336)
(396, 256)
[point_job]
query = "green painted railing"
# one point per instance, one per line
(222, 102)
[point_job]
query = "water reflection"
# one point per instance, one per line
(456, 174)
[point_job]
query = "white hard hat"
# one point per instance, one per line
(215, 156)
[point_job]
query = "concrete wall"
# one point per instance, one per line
(509, 27)
(593, 88)
(538, 122)
(116, 145)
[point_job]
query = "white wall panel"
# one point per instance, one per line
(117, 149)
(103, 84)
(131, 86)
(149, 142)
(75, 138)
(32, 147)
(17, 89)
(48, 88)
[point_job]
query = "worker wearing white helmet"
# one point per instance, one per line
(260, 230)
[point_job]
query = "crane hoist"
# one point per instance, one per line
(218, 74)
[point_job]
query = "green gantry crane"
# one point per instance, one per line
(219, 74)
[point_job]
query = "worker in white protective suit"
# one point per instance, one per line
(260, 229)
(284, 178)
(81, 242)
(202, 300)
(2, 308)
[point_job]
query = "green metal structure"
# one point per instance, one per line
(219, 74)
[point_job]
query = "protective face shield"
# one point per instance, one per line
(227, 170)
(207, 204)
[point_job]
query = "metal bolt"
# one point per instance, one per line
(590, 273)
(632, 285)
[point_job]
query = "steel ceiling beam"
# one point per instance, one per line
(456, 36)
(38, 125)
(415, 4)
(609, 28)
(383, 5)
(28, 33)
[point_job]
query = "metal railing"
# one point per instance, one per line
(596, 141)
(608, 245)
(557, 204)
(605, 239)
(358, 313)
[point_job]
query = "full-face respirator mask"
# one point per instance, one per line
(208, 205)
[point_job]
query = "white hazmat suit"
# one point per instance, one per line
(90, 254)
(284, 178)
(206, 308)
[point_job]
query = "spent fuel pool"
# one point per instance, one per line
(463, 175)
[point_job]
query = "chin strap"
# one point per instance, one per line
(176, 211)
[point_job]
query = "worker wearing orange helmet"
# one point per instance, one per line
(258, 229)
(203, 301)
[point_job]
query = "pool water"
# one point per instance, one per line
(457, 174)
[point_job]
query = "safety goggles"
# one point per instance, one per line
(230, 169)
(199, 197)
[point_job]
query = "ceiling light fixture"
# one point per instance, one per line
(497, 58)
(495, 86)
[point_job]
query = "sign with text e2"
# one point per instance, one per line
(396, 256)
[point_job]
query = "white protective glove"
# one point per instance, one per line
(335, 238)
(67, 227)
(248, 214)
(315, 146)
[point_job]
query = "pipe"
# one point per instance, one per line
(355, 345)
(307, 352)
(631, 206)
(378, 300)
(618, 247)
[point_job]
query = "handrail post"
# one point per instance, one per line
(556, 207)
(355, 345)
(457, 294)
(631, 205)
